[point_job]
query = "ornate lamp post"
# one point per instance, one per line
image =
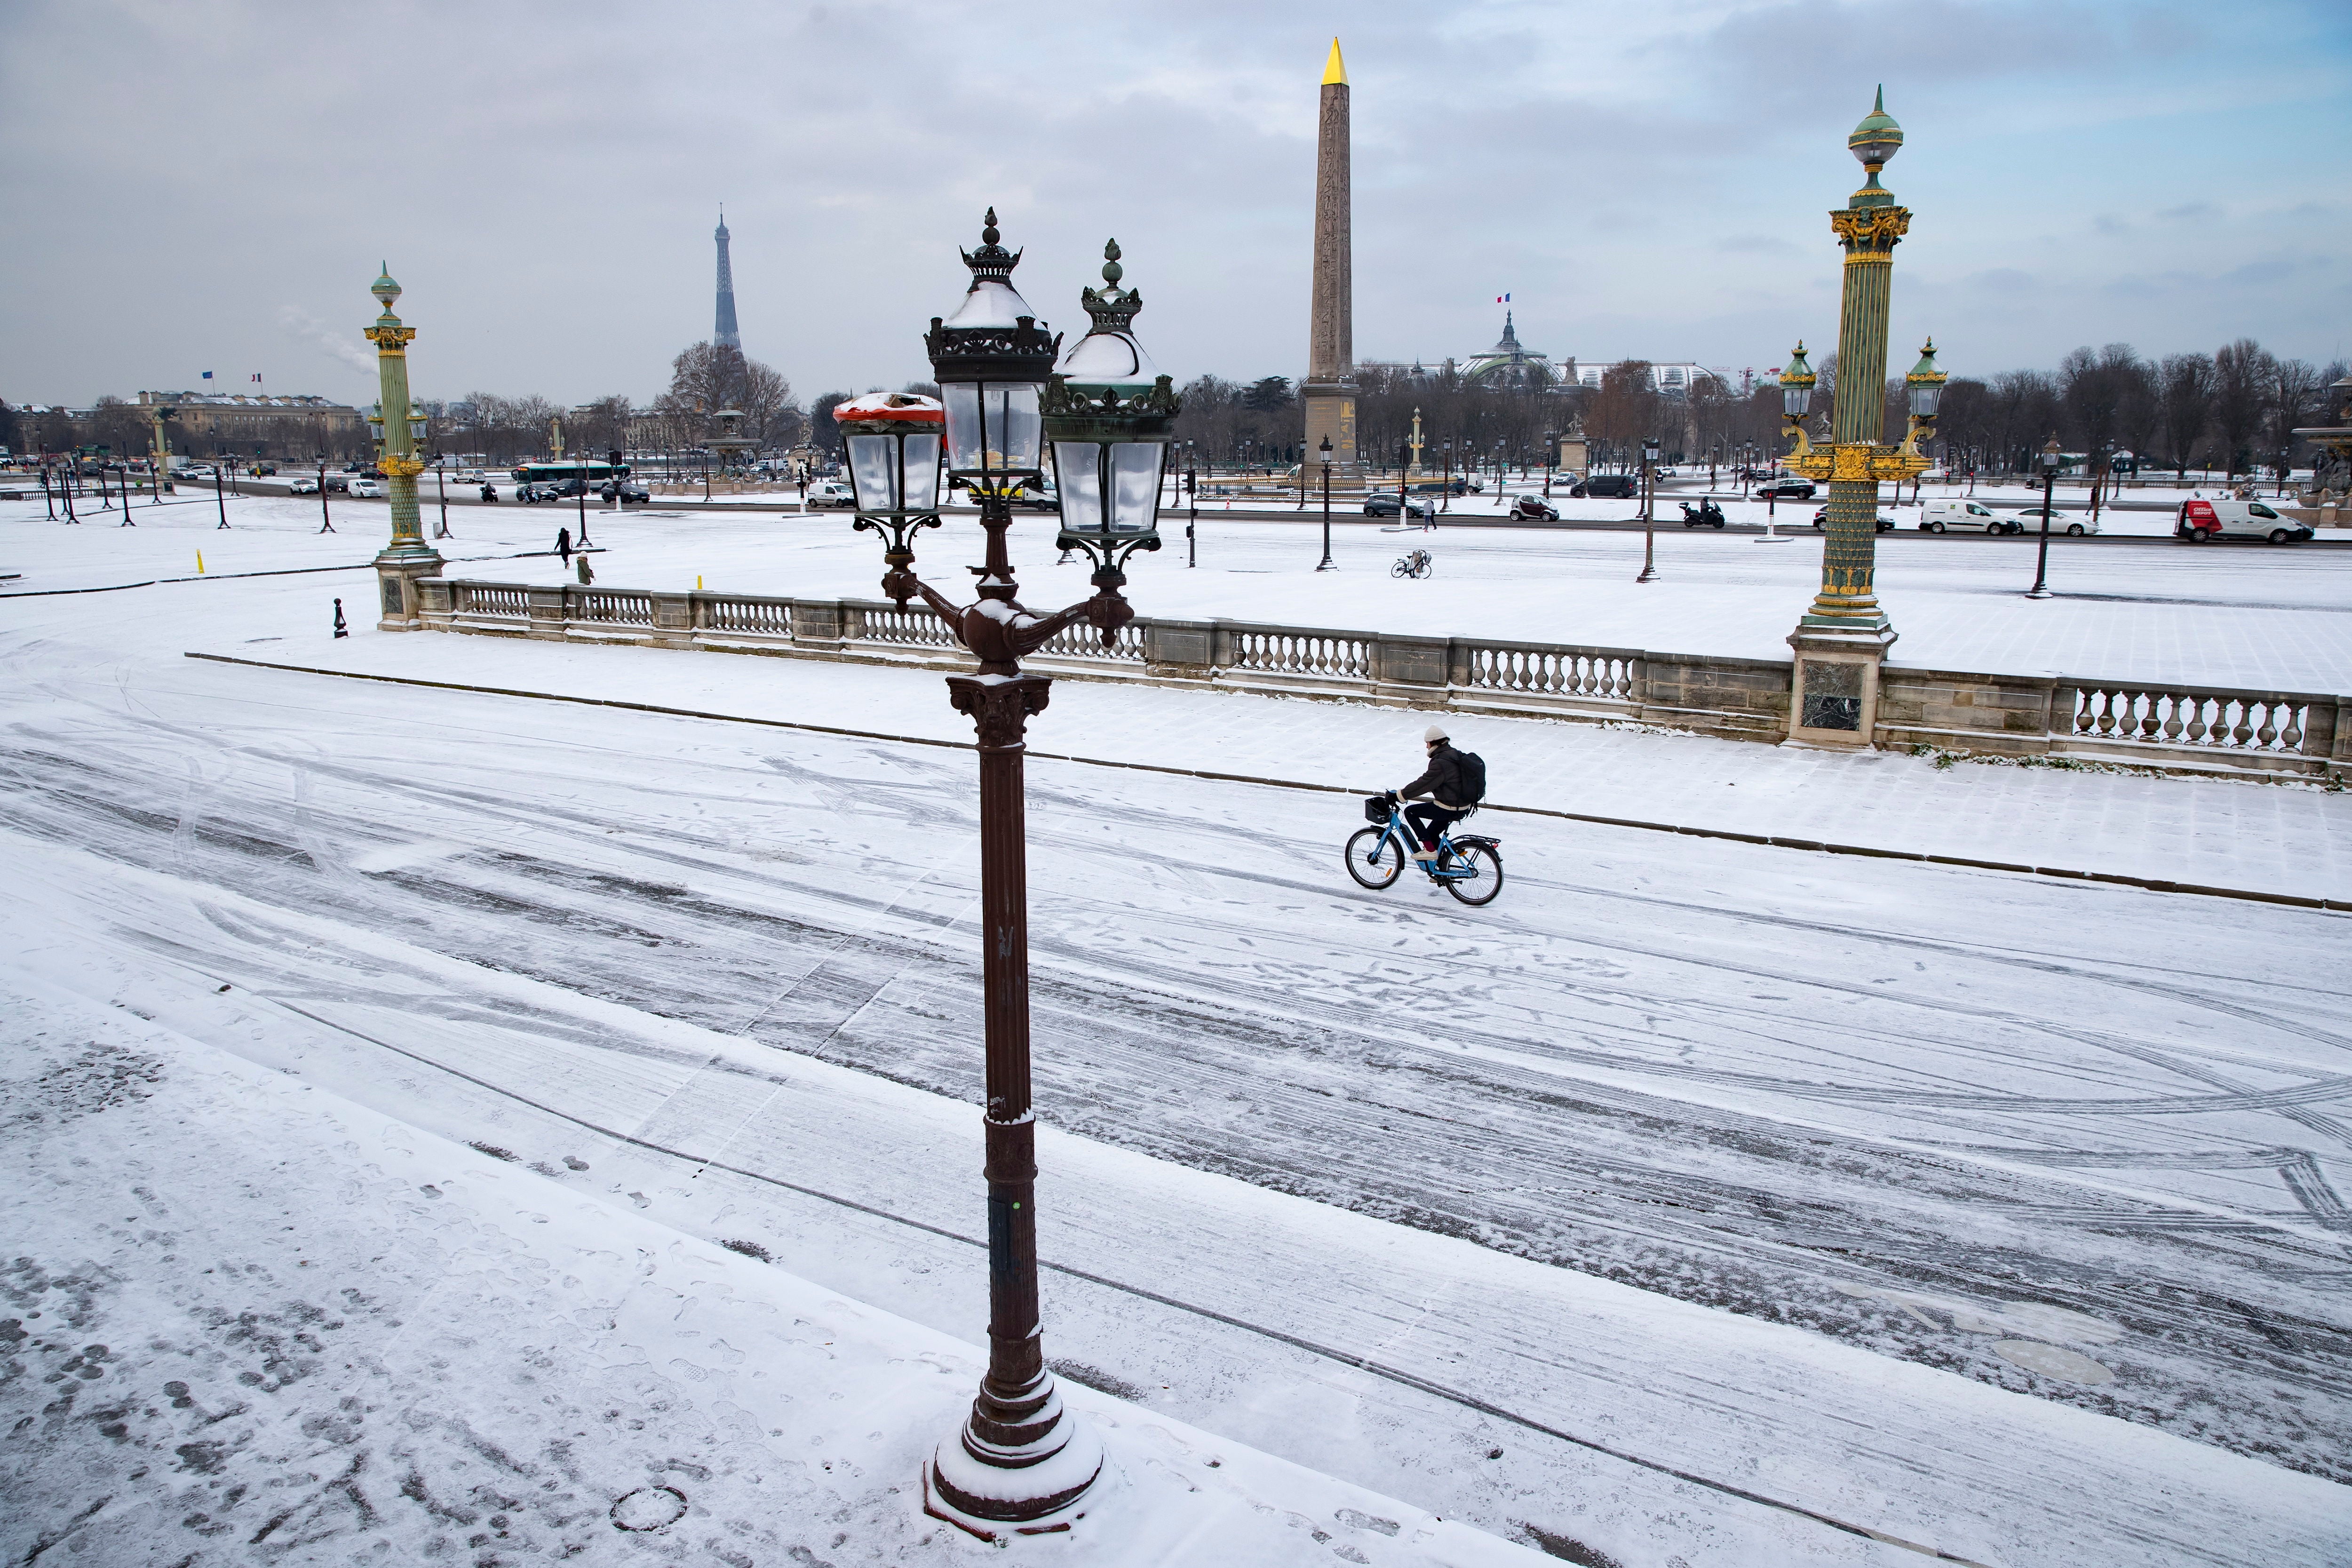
(1326, 566)
(1842, 639)
(1649, 519)
(408, 556)
(1022, 1464)
(2052, 460)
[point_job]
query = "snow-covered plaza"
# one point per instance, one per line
(456, 1126)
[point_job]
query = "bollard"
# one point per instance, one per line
(200, 562)
(340, 631)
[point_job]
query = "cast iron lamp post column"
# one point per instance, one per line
(1326, 565)
(1649, 511)
(1022, 1463)
(2052, 460)
(1843, 635)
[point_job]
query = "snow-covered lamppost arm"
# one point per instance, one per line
(407, 557)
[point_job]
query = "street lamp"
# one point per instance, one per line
(1551, 457)
(407, 557)
(891, 444)
(2051, 462)
(1649, 509)
(1326, 450)
(1842, 638)
(1022, 1462)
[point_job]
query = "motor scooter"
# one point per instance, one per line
(1707, 514)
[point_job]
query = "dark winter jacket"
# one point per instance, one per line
(1443, 780)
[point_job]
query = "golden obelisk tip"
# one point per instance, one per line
(1335, 70)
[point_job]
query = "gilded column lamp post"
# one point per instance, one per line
(407, 557)
(1843, 635)
(1022, 1463)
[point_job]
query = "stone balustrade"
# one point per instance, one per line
(2187, 729)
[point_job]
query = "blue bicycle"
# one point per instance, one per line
(1470, 868)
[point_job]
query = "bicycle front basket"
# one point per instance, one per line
(1376, 808)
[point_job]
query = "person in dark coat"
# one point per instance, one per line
(1439, 792)
(563, 545)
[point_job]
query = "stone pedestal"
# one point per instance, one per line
(399, 599)
(1833, 688)
(1331, 408)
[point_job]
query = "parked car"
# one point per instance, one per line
(1621, 487)
(303, 487)
(2028, 519)
(1786, 489)
(1962, 516)
(2202, 520)
(630, 491)
(1821, 522)
(831, 492)
(1379, 505)
(1533, 509)
(367, 489)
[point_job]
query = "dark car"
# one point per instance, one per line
(1786, 489)
(1619, 486)
(629, 492)
(259, 469)
(1533, 509)
(1822, 520)
(1389, 506)
(339, 484)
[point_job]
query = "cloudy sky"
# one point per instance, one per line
(209, 185)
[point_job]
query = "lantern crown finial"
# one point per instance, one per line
(384, 287)
(991, 263)
(1113, 308)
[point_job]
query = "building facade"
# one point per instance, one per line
(212, 424)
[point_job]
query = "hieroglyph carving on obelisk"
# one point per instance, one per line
(1328, 393)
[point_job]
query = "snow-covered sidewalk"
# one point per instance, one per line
(252, 1320)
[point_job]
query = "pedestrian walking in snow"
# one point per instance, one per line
(563, 545)
(586, 575)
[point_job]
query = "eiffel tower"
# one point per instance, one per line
(724, 335)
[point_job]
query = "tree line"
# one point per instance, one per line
(2235, 410)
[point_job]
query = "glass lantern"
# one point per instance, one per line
(891, 443)
(1797, 387)
(1926, 385)
(2052, 460)
(991, 359)
(1109, 414)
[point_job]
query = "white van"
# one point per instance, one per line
(1955, 516)
(2202, 520)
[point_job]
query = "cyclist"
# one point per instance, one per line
(1442, 800)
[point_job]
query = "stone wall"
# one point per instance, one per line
(2179, 729)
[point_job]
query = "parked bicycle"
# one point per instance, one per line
(1417, 564)
(1470, 867)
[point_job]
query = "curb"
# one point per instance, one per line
(2149, 884)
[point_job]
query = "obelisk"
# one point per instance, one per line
(1328, 393)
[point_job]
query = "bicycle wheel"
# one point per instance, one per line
(1485, 879)
(1424, 569)
(1400, 569)
(1374, 859)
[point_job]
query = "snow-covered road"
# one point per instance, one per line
(1954, 1203)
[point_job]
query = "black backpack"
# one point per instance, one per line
(1474, 776)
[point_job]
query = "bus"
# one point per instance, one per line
(595, 470)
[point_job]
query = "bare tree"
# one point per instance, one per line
(2185, 405)
(2243, 377)
(2296, 391)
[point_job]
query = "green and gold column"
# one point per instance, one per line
(1845, 634)
(407, 557)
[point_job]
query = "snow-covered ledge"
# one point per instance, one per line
(2174, 727)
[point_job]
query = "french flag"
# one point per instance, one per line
(1502, 299)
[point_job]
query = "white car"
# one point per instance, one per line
(303, 487)
(2029, 520)
(831, 492)
(1960, 516)
(371, 490)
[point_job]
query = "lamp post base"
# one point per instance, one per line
(1038, 1487)
(1833, 687)
(397, 574)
